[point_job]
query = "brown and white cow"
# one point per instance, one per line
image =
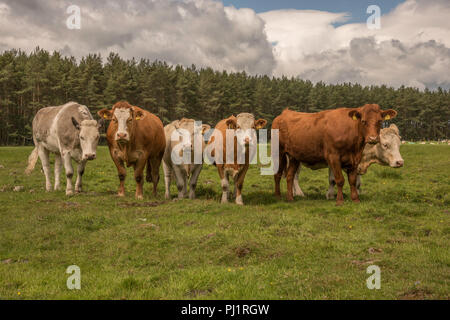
(187, 131)
(332, 138)
(70, 132)
(243, 126)
(135, 138)
(385, 153)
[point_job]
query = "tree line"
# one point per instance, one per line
(31, 81)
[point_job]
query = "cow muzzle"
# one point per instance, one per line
(90, 156)
(399, 163)
(122, 137)
(373, 140)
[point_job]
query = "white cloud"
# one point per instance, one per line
(200, 32)
(411, 48)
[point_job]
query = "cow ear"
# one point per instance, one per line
(105, 114)
(139, 115)
(395, 128)
(388, 114)
(231, 124)
(205, 127)
(260, 123)
(354, 114)
(75, 123)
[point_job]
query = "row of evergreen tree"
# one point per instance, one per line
(29, 82)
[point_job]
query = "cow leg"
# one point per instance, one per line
(69, 171)
(58, 167)
(332, 183)
(292, 169)
(181, 179)
(352, 177)
(358, 184)
(224, 182)
(193, 180)
(239, 184)
(122, 173)
(335, 164)
(277, 176)
(45, 160)
(139, 178)
(80, 172)
(155, 164)
(297, 190)
(167, 176)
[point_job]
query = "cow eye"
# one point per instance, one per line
(385, 145)
(82, 138)
(364, 122)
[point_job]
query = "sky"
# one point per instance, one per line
(355, 8)
(322, 40)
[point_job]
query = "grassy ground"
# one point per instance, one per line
(268, 249)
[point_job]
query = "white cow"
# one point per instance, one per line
(185, 130)
(70, 132)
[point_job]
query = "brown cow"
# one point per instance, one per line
(244, 136)
(332, 138)
(135, 138)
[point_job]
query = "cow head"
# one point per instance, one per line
(124, 117)
(88, 134)
(371, 117)
(389, 147)
(245, 126)
(188, 127)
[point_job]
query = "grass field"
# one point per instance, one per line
(200, 249)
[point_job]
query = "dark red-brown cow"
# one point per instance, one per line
(135, 138)
(332, 138)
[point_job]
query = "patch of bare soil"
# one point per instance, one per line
(139, 204)
(415, 294)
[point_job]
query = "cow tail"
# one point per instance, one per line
(32, 159)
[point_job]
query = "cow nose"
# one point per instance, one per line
(399, 163)
(122, 136)
(89, 156)
(373, 140)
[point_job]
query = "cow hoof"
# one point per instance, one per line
(357, 201)
(69, 193)
(121, 195)
(167, 196)
(339, 203)
(139, 197)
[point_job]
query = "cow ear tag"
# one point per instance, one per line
(354, 117)
(387, 117)
(105, 116)
(138, 118)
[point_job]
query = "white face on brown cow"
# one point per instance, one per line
(123, 117)
(389, 150)
(245, 122)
